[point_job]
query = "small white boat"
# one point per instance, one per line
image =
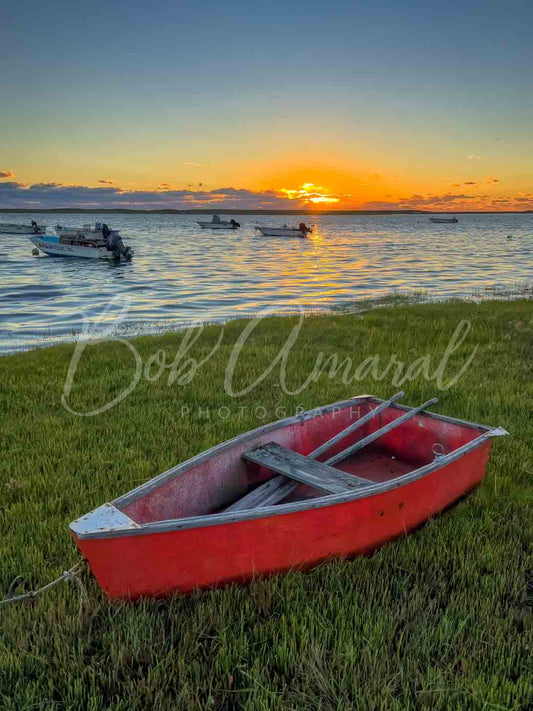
(447, 220)
(96, 231)
(217, 224)
(17, 229)
(286, 231)
(55, 246)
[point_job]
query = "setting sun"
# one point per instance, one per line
(309, 192)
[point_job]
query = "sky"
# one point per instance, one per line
(347, 105)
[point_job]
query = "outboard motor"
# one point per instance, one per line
(115, 244)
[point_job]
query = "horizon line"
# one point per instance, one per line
(241, 211)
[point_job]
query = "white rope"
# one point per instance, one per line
(69, 575)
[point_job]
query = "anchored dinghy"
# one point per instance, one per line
(337, 481)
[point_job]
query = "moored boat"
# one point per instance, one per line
(217, 224)
(446, 220)
(111, 249)
(18, 229)
(337, 481)
(285, 231)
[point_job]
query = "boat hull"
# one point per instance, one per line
(179, 561)
(13, 229)
(444, 220)
(155, 540)
(281, 232)
(54, 248)
(217, 225)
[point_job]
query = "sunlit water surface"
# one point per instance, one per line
(181, 274)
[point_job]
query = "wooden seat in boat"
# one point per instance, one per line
(294, 469)
(303, 469)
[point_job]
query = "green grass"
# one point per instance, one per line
(438, 620)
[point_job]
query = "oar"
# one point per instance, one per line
(355, 425)
(379, 433)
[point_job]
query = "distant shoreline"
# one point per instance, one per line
(228, 211)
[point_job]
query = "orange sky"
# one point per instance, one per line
(362, 178)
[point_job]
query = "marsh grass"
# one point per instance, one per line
(438, 620)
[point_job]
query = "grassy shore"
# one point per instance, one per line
(438, 620)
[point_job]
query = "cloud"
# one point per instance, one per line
(429, 201)
(461, 201)
(469, 182)
(474, 157)
(106, 182)
(6, 174)
(56, 195)
(492, 180)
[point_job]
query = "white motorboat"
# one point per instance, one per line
(444, 220)
(18, 229)
(111, 249)
(286, 231)
(95, 231)
(217, 224)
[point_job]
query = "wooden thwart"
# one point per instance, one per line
(304, 470)
(294, 469)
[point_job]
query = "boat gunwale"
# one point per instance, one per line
(169, 525)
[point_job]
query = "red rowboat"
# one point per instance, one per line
(334, 482)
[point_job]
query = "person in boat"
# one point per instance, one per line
(35, 227)
(303, 227)
(234, 223)
(216, 219)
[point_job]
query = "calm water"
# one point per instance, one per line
(181, 274)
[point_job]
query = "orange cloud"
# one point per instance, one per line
(6, 174)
